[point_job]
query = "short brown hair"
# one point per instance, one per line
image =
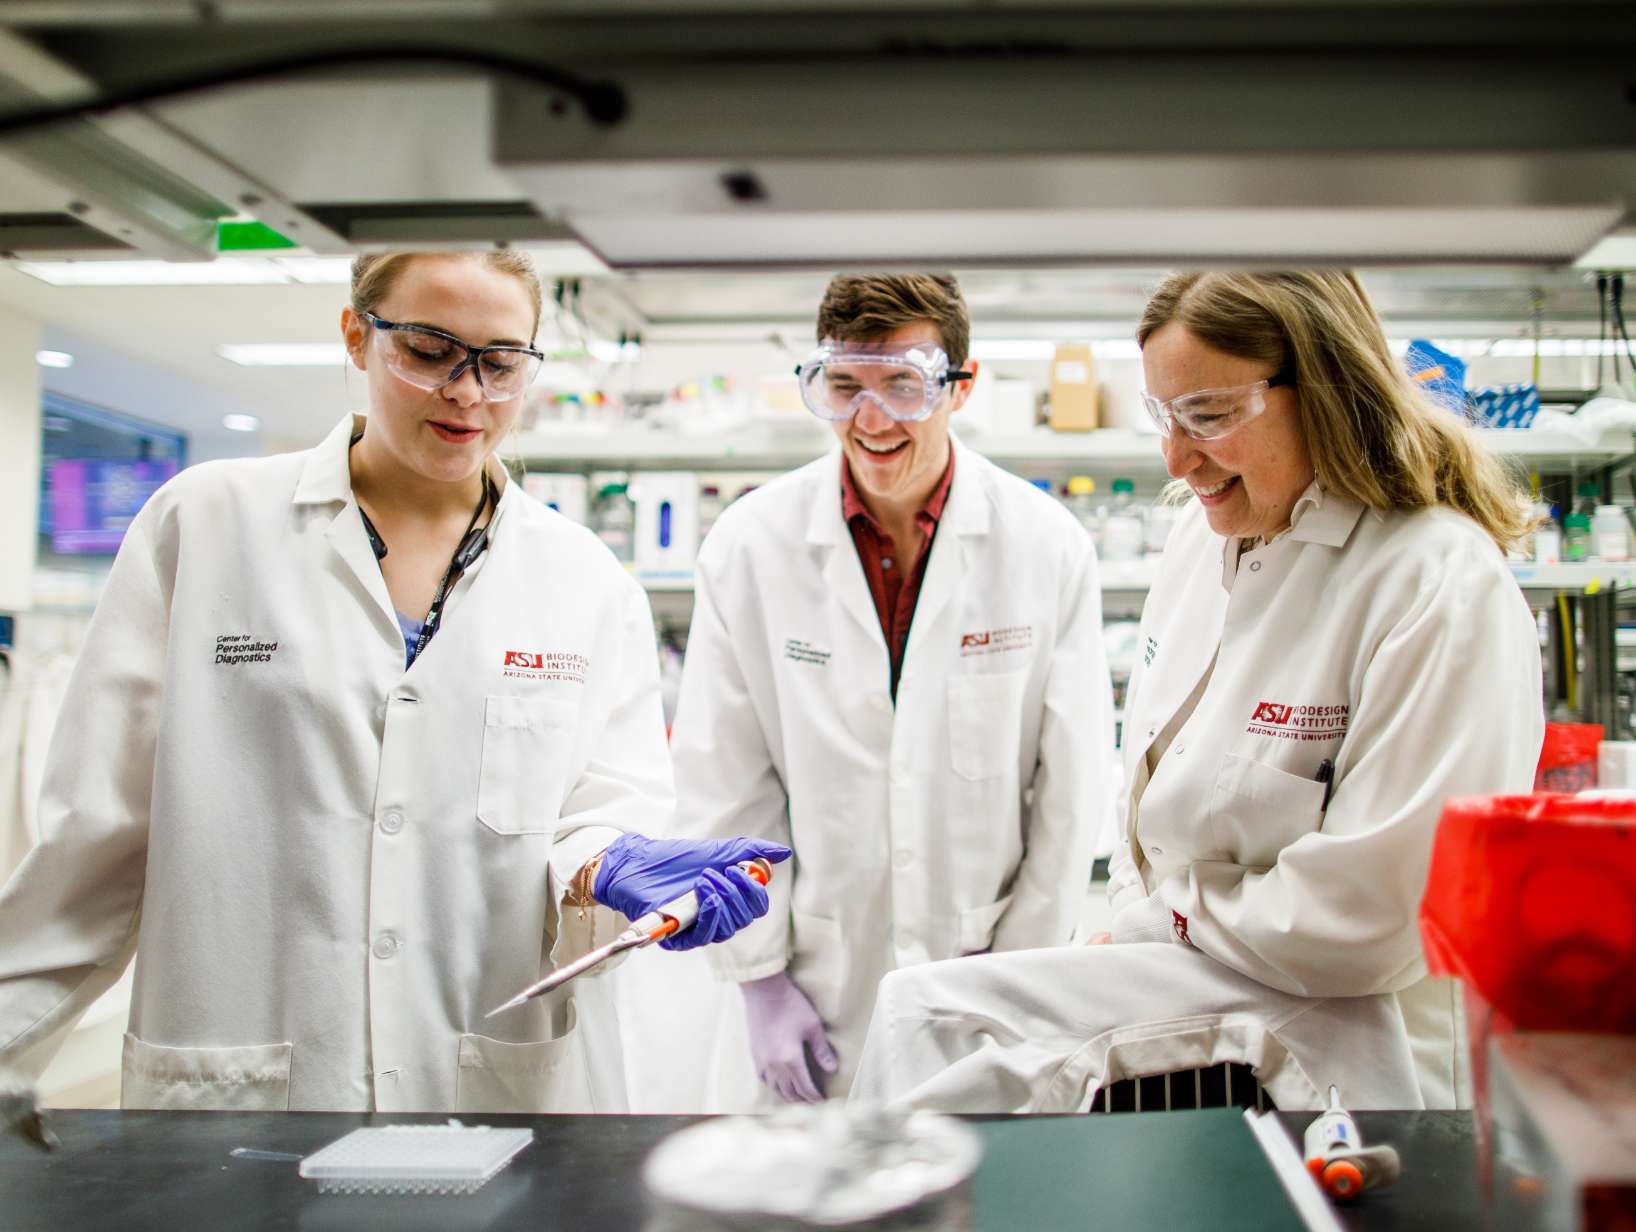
(862, 307)
(375, 274)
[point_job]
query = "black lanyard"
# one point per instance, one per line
(473, 544)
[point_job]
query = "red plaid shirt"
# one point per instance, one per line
(894, 589)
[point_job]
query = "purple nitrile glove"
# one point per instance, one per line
(783, 1029)
(640, 874)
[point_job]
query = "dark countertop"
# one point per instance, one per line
(173, 1171)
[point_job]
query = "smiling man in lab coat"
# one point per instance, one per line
(895, 666)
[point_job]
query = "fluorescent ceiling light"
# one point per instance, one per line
(236, 271)
(330, 271)
(1611, 252)
(564, 258)
(240, 423)
(225, 271)
(284, 354)
(54, 359)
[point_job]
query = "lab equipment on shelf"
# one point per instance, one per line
(615, 521)
(1124, 529)
(667, 520)
(568, 494)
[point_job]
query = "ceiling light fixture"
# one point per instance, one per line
(241, 423)
(284, 354)
(54, 359)
(225, 271)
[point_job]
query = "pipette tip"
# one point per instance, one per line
(500, 1009)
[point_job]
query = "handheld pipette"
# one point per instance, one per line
(1337, 1158)
(656, 925)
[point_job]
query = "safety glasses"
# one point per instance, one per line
(430, 359)
(903, 381)
(1209, 414)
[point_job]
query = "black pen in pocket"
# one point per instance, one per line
(1326, 776)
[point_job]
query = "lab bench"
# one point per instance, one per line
(1162, 1171)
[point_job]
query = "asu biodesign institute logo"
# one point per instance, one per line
(1285, 721)
(545, 665)
(997, 641)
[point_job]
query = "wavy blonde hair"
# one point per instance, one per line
(1372, 435)
(375, 274)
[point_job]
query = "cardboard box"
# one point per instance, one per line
(1073, 390)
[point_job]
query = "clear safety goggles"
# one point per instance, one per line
(903, 381)
(430, 359)
(1207, 414)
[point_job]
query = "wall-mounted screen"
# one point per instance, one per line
(98, 468)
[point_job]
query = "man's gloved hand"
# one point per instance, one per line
(639, 874)
(783, 1029)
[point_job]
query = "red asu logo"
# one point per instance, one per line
(1299, 722)
(562, 666)
(1178, 922)
(997, 641)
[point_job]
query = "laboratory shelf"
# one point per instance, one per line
(1138, 575)
(1587, 576)
(777, 447)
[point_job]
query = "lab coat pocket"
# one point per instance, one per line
(549, 1075)
(818, 966)
(255, 1078)
(977, 925)
(527, 745)
(1257, 810)
(985, 723)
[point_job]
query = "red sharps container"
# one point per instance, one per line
(1531, 902)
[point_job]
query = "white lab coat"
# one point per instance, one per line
(913, 837)
(1273, 932)
(330, 868)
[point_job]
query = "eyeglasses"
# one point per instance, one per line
(1209, 414)
(430, 359)
(903, 381)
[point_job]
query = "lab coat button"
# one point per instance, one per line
(392, 822)
(385, 945)
(1156, 849)
(1255, 566)
(903, 857)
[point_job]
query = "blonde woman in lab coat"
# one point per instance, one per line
(1333, 648)
(333, 831)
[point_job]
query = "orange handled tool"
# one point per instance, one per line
(657, 924)
(1337, 1158)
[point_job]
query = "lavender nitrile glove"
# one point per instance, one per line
(783, 1029)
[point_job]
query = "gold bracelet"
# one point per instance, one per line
(581, 889)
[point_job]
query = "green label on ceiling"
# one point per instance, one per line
(248, 237)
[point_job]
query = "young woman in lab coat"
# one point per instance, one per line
(1333, 647)
(330, 866)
